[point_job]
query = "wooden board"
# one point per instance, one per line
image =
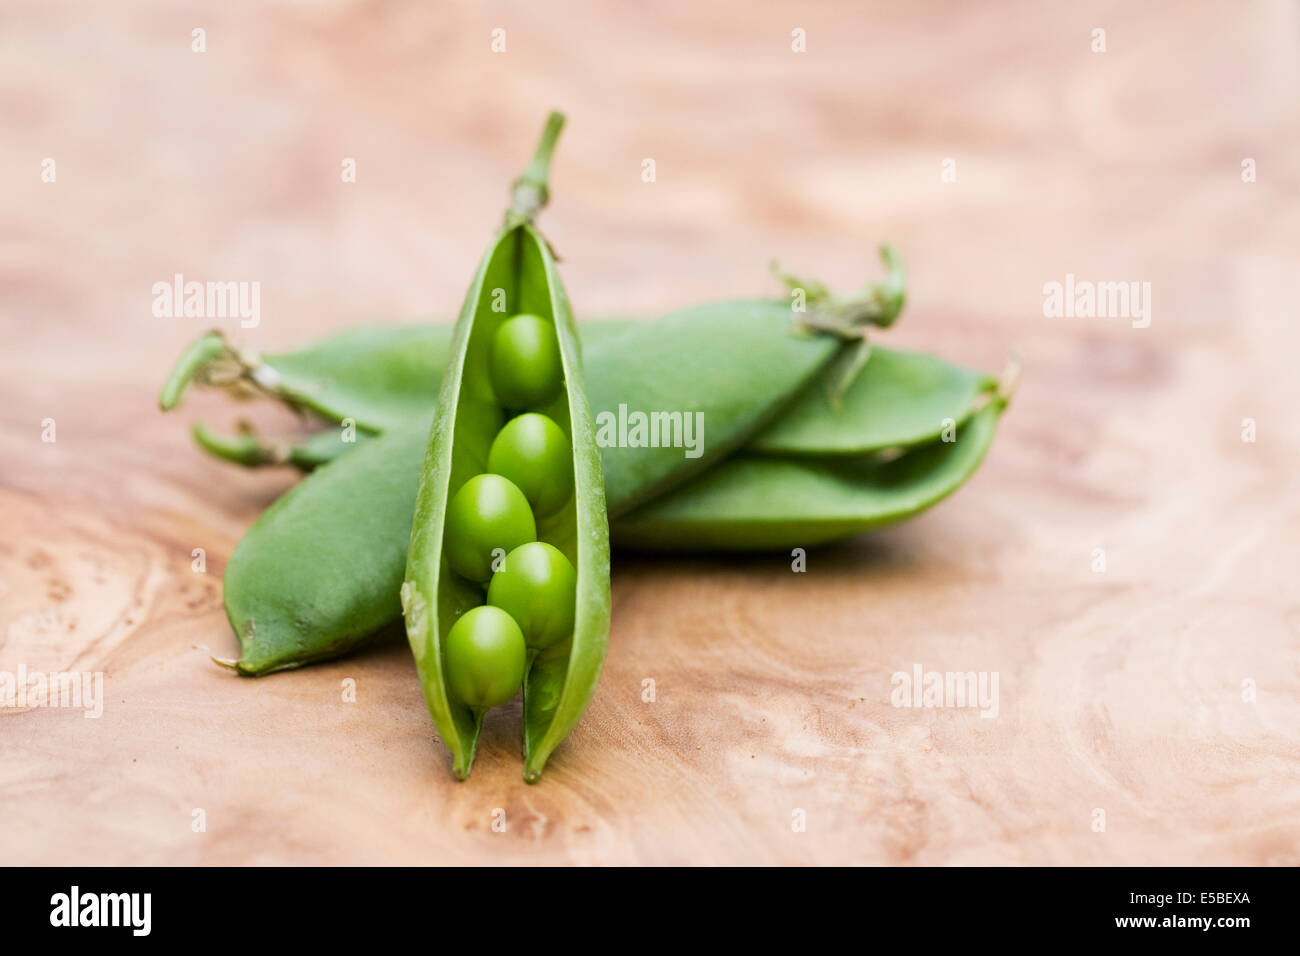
(1120, 691)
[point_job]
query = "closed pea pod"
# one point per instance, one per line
(317, 575)
(380, 378)
(752, 502)
(675, 395)
(518, 270)
(900, 399)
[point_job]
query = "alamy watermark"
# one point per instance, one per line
(131, 911)
(77, 689)
(632, 429)
(1085, 299)
(922, 688)
(208, 300)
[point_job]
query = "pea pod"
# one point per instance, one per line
(381, 377)
(439, 592)
(671, 367)
(753, 503)
(902, 399)
(318, 573)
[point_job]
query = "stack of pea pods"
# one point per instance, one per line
(456, 480)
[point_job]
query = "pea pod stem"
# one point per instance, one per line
(531, 191)
(244, 448)
(212, 361)
(879, 305)
(199, 356)
(850, 317)
(890, 295)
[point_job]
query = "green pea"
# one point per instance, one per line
(534, 453)
(485, 657)
(525, 363)
(537, 587)
(489, 513)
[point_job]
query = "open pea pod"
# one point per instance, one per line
(754, 503)
(517, 276)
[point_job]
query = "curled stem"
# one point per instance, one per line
(198, 357)
(878, 305)
(850, 317)
(251, 450)
(212, 361)
(244, 448)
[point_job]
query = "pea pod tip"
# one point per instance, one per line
(229, 663)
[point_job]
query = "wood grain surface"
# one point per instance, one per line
(1127, 730)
